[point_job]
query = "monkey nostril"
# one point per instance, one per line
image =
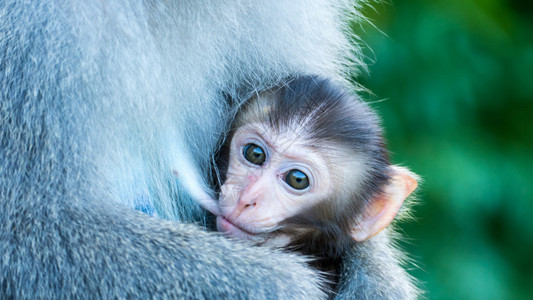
(250, 205)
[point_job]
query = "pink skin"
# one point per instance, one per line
(243, 192)
(255, 199)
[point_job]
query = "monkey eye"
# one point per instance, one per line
(254, 154)
(297, 179)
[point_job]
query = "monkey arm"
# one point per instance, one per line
(372, 270)
(107, 252)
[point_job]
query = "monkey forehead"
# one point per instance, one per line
(294, 137)
(288, 142)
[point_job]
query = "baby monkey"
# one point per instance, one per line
(306, 168)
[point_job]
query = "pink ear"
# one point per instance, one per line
(384, 207)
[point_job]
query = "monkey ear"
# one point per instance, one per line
(385, 206)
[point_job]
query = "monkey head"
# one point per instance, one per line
(307, 167)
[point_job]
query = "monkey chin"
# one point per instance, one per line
(232, 230)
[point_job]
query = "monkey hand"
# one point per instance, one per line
(208, 203)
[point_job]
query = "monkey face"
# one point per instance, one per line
(271, 176)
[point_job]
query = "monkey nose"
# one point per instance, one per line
(247, 203)
(241, 207)
(250, 196)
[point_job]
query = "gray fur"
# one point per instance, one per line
(371, 270)
(100, 101)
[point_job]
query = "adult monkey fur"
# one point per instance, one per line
(101, 100)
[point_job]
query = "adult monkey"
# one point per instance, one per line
(101, 100)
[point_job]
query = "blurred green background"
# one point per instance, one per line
(453, 82)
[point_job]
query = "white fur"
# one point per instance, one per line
(166, 103)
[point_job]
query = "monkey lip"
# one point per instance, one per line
(226, 226)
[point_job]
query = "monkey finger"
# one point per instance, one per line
(209, 204)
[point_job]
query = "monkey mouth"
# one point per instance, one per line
(227, 227)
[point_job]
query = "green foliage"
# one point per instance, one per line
(457, 79)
